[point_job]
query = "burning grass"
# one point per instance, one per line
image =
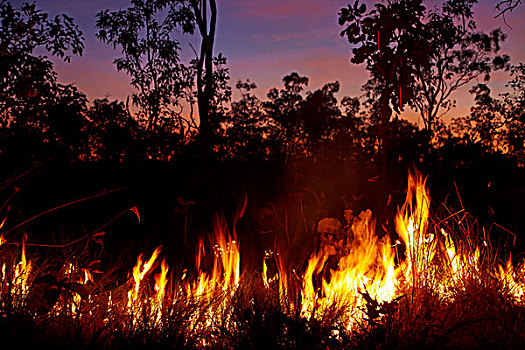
(439, 285)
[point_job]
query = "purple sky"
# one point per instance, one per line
(263, 41)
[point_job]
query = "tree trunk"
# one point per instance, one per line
(205, 88)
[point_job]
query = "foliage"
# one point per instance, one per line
(112, 131)
(245, 131)
(33, 105)
(283, 107)
(418, 56)
(146, 33)
(497, 123)
(221, 93)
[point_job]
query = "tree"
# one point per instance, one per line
(204, 65)
(146, 33)
(112, 131)
(350, 138)
(151, 55)
(418, 56)
(246, 131)
(505, 6)
(33, 105)
(27, 79)
(320, 116)
(497, 123)
(283, 107)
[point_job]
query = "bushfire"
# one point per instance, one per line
(360, 283)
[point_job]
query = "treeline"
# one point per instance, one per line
(416, 56)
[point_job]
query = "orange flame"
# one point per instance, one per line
(359, 274)
(367, 268)
(161, 281)
(135, 303)
(20, 288)
(225, 273)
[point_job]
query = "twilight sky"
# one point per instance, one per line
(263, 41)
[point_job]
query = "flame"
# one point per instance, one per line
(161, 281)
(512, 280)
(135, 303)
(412, 226)
(367, 270)
(308, 291)
(282, 274)
(264, 273)
(357, 278)
(225, 273)
(20, 287)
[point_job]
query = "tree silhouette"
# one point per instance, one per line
(283, 107)
(26, 78)
(319, 116)
(419, 56)
(498, 124)
(113, 133)
(145, 32)
(204, 65)
(505, 6)
(246, 131)
(33, 105)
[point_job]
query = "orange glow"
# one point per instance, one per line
(20, 287)
(161, 281)
(357, 275)
(135, 302)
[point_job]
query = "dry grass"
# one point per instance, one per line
(476, 305)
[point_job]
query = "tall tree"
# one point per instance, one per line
(112, 131)
(27, 78)
(205, 12)
(32, 102)
(146, 34)
(419, 56)
(320, 116)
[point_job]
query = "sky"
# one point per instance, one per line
(264, 41)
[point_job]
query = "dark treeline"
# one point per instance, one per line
(318, 153)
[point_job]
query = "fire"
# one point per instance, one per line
(358, 278)
(72, 304)
(20, 281)
(366, 271)
(513, 280)
(412, 227)
(265, 273)
(161, 281)
(225, 274)
(135, 302)
(282, 276)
